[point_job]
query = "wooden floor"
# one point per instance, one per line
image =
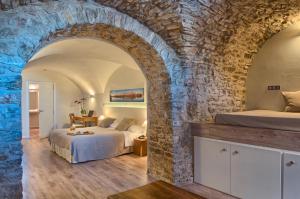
(47, 176)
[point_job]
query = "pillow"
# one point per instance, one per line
(125, 124)
(136, 129)
(106, 122)
(115, 123)
(292, 100)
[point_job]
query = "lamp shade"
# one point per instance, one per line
(145, 124)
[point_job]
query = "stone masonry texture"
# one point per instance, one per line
(195, 55)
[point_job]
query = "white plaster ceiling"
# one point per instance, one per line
(89, 63)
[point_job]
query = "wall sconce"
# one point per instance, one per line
(101, 117)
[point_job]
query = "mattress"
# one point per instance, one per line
(261, 119)
(104, 143)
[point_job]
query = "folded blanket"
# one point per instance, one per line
(79, 132)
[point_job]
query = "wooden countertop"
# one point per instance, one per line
(156, 190)
(280, 139)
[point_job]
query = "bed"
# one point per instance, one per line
(261, 119)
(104, 143)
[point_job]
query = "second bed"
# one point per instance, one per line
(262, 119)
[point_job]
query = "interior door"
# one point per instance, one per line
(212, 164)
(255, 172)
(46, 108)
(291, 175)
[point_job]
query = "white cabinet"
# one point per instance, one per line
(291, 175)
(212, 164)
(255, 172)
(245, 171)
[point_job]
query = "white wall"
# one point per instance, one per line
(125, 78)
(96, 104)
(66, 92)
(277, 63)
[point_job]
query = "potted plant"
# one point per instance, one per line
(83, 111)
(81, 102)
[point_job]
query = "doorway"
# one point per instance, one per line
(38, 109)
(34, 110)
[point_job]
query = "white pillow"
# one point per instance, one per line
(136, 129)
(115, 123)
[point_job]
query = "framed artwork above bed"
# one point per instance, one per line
(127, 95)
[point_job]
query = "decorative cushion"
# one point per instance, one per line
(292, 100)
(106, 122)
(125, 124)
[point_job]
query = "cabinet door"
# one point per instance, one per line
(212, 164)
(255, 173)
(291, 176)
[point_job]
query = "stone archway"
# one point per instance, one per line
(25, 30)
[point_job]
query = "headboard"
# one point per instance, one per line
(140, 114)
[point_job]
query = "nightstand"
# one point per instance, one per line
(140, 147)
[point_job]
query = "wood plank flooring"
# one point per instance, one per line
(47, 176)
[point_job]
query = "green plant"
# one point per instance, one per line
(81, 102)
(83, 111)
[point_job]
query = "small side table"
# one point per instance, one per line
(140, 147)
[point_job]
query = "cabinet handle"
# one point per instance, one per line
(290, 163)
(223, 150)
(235, 153)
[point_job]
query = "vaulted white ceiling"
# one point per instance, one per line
(89, 63)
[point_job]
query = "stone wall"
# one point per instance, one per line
(225, 35)
(27, 29)
(216, 41)
(198, 51)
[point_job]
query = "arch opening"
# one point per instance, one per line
(82, 68)
(275, 64)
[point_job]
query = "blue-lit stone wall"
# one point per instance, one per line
(10, 128)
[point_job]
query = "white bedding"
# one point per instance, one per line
(262, 119)
(129, 137)
(104, 143)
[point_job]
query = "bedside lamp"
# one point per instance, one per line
(144, 124)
